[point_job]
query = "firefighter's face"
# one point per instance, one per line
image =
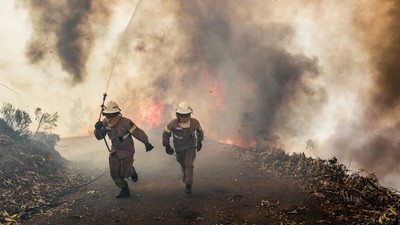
(110, 115)
(183, 117)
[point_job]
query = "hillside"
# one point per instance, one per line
(33, 175)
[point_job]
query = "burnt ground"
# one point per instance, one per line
(227, 190)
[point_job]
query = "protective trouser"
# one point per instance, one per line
(120, 169)
(186, 158)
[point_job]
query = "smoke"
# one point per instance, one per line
(373, 138)
(248, 78)
(293, 73)
(240, 77)
(65, 31)
(385, 59)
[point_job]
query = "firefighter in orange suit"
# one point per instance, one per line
(120, 131)
(187, 138)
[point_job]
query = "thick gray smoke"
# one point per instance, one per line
(248, 84)
(245, 68)
(252, 62)
(373, 139)
(65, 31)
(240, 76)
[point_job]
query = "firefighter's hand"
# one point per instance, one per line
(98, 125)
(169, 150)
(199, 146)
(149, 146)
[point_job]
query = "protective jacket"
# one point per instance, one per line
(183, 137)
(121, 136)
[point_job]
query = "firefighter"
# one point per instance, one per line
(187, 138)
(120, 131)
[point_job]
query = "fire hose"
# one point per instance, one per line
(9, 88)
(112, 68)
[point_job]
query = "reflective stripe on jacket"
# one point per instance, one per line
(183, 138)
(121, 136)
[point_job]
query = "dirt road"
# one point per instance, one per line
(226, 190)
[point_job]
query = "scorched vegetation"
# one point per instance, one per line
(33, 175)
(346, 195)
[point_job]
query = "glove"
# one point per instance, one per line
(169, 150)
(98, 125)
(149, 146)
(199, 146)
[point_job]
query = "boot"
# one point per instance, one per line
(188, 189)
(124, 193)
(134, 176)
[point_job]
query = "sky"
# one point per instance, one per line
(319, 77)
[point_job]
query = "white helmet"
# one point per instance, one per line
(184, 108)
(111, 107)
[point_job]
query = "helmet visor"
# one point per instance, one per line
(110, 115)
(186, 115)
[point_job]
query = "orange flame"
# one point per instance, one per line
(214, 86)
(227, 141)
(243, 138)
(151, 111)
(240, 141)
(86, 130)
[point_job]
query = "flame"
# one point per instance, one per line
(151, 111)
(214, 86)
(86, 130)
(240, 141)
(227, 141)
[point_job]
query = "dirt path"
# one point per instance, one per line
(225, 191)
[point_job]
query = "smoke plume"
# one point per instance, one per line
(300, 74)
(373, 139)
(247, 82)
(65, 31)
(239, 76)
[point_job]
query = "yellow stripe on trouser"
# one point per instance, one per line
(130, 132)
